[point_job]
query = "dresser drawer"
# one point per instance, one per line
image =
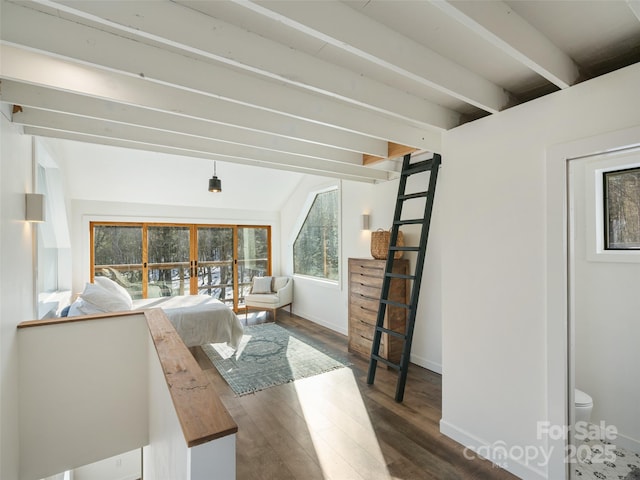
(365, 285)
(363, 308)
(363, 329)
(372, 268)
(361, 345)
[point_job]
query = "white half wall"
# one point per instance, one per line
(167, 455)
(495, 320)
(83, 393)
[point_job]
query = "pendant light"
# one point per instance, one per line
(215, 184)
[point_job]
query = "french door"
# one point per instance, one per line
(156, 259)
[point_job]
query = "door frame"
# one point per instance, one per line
(559, 296)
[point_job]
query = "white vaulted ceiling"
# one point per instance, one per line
(303, 86)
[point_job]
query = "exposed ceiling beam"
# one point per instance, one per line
(95, 47)
(497, 23)
(26, 66)
(181, 26)
(115, 142)
(345, 28)
(59, 101)
(101, 128)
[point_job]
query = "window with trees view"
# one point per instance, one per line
(622, 209)
(315, 250)
(153, 260)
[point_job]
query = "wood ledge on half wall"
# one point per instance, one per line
(202, 415)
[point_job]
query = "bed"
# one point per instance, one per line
(198, 319)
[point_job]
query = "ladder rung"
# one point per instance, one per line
(391, 332)
(408, 169)
(405, 249)
(410, 196)
(385, 361)
(395, 304)
(418, 167)
(400, 275)
(412, 221)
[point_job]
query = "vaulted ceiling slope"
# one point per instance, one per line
(305, 86)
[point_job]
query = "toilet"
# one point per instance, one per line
(583, 406)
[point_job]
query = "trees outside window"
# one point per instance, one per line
(316, 248)
(153, 260)
(622, 209)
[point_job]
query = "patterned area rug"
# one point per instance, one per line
(270, 355)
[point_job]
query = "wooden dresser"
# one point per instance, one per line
(365, 284)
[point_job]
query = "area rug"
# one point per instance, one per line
(271, 355)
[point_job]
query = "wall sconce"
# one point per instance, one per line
(34, 208)
(365, 221)
(215, 184)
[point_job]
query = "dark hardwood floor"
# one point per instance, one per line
(335, 426)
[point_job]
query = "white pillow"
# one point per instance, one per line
(103, 299)
(261, 285)
(80, 307)
(116, 289)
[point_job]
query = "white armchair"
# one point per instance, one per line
(279, 295)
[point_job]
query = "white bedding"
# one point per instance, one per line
(198, 319)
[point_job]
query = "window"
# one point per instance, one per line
(622, 209)
(154, 260)
(117, 254)
(52, 239)
(315, 250)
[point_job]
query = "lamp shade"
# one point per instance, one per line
(35, 208)
(365, 221)
(215, 184)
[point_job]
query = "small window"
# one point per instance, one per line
(622, 209)
(315, 250)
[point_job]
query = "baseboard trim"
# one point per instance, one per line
(415, 359)
(319, 321)
(627, 442)
(476, 447)
(425, 363)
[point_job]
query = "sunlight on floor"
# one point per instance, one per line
(344, 439)
(225, 351)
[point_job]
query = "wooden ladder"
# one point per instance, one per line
(408, 169)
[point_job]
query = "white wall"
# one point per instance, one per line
(320, 301)
(127, 466)
(166, 455)
(606, 307)
(106, 173)
(494, 264)
(16, 279)
(83, 393)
